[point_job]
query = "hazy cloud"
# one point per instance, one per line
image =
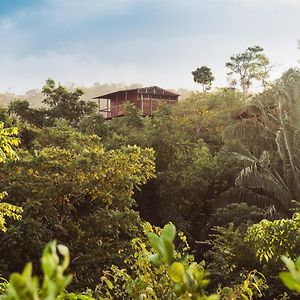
(149, 41)
(7, 23)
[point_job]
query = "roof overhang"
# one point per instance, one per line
(144, 90)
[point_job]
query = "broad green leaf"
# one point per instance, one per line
(176, 272)
(155, 259)
(169, 232)
(167, 248)
(154, 241)
(289, 281)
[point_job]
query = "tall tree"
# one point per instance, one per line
(204, 76)
(35, 116)
(73, 190)
(64, 103)
(249, 65)
(269, 145)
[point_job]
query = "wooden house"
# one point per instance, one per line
(147, 99)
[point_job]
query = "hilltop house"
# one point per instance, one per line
(146, 99)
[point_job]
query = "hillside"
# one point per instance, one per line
(35, 96)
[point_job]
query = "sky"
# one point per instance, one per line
(153, 42)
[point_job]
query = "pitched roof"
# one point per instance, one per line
(150, 90)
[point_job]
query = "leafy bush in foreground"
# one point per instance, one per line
(24, 286)
(182, 278)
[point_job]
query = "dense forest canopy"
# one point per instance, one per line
(221, 169)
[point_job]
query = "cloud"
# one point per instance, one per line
(7, 23)
(166, 63)
(148, 41)
(31, 72)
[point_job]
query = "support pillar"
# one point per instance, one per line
(107, 109)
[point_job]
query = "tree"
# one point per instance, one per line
(54, 280)
(205, 115)
(22, 109)
(94, 124)
(66, 104)
(8, 210)
(204, 76)
(249, 65)
(8, 140)
(161, 272)
(269, 146)
(73, 190)
(271, 239)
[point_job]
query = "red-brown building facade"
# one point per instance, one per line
(147, 99)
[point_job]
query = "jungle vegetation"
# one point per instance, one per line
(198, 201)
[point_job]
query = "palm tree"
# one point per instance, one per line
(271, 175)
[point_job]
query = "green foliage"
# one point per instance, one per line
(240, 214)
(8, 141)
(271, 239)
(8, 210)
(251, 288)
(163, 245)
(206, 115)
(133, 117)
(204, 76)
(187, 171)
(229, 254)
(139, 278)
(190, 280)
(190, 180)
(249, 65)
(22, 109)
(66, 104)
(94, 124)
(73, 190)
(291, 279)
(19, 107)
(191, 175)
(60, 102)
(157, 273)
(24, 286)
(3, 285)
(234, 252)
(214, 159)
(268, 145)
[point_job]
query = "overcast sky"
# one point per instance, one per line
(154, 42)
